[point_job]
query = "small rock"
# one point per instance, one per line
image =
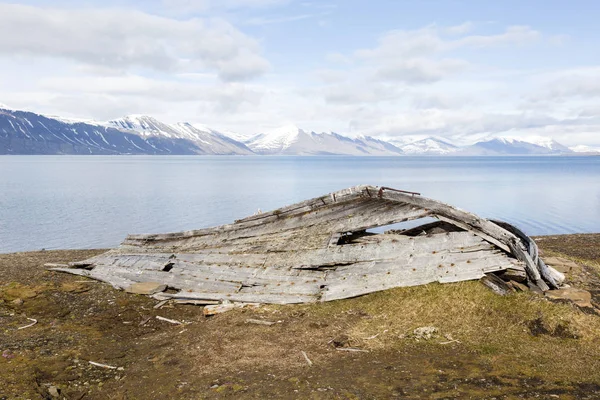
(8, 354)
(341, 341)
(580, 297)
(53, 391)
(425, 332)
(146, 288)
(17, 302)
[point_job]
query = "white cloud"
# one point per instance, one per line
(568, 84)
(514, 35)
(221, 97)
(459, 29)
(420, 70)
(278, 20)
(207, 5)
(418, 56)
(404, 44)
(351, 93)
(121, 39)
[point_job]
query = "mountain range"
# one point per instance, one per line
(24, 132)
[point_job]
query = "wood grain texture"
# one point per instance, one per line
(319, 250)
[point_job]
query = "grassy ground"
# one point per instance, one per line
(485, 346)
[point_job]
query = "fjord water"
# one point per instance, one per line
(72, 202)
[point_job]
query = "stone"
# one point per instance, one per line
(341, 341)
(146, 288)
(560, 264)
(53, 391)
(425, 332)
(580, 297)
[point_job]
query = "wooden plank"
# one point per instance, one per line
(496, 285)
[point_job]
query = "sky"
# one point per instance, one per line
(390, 68)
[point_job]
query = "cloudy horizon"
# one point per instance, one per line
(387, 68)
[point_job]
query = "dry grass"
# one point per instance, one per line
(224, 356)
(499, 328)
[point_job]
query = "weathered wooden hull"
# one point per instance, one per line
(318, 250)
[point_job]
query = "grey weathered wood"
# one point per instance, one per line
(294, 254)
(517, 274)
(533, 251)
(496, 285)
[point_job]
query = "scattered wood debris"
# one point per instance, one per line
(171, 321)
(260, 322)
(160, 304)
(106, 366)
(33, 322)
(196, 302)
(310, 363)
(353, 349)
(221, 308)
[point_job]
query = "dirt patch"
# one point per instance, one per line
(582, 246)
(362, 348)
(584, 249)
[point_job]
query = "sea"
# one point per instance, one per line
(82, 202)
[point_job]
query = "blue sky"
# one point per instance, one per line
(450, 68)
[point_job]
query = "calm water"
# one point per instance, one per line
(92, 201)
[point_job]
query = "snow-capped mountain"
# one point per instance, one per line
(210, 140)
(144, 125)
(207, 140)
(512, 146)
(378, 145)
(428, 146)
(585, 149)
(23, 132)
(548, 143)
(293, 140)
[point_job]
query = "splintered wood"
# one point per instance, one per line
(320, 250)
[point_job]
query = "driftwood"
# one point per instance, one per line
(321, 250)
(310, 363)
(97, 364)
(33, 322)
(260, 322)
(171, 321)
(352, 349)
(211, 310)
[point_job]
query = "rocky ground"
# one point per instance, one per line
(434, 341)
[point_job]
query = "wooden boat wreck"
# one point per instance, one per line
(321, 250)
